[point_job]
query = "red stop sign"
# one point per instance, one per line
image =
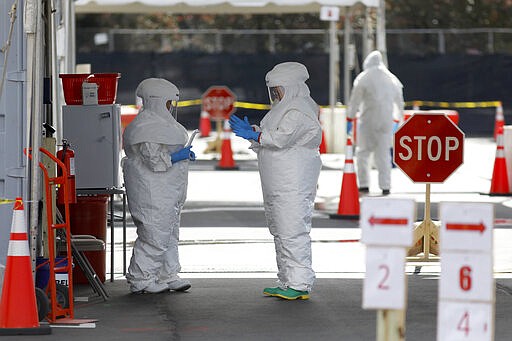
(219, 102)
(428, 147)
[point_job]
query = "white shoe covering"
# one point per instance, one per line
(156, 288)
(178, 284)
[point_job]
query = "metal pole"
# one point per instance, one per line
(56, 109)
(368, 33)
(381, 31)
(33, 29)
(69, 23)
(428, 222)
(347, 81)
(332, 64)
(333, 76)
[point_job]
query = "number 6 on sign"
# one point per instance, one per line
(384, 284)
(466, 276)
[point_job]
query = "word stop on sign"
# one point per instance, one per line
(428, 147)
(434, 148)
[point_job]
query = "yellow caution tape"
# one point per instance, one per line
(247, 105)
(189, 103)
(6, 201)
(336, 106)
(258, 106)
(472, 105)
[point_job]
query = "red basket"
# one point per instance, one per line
(107, 86)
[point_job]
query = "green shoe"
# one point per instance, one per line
(291, 294)
(270, 291)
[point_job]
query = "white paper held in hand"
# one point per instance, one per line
(194, 133)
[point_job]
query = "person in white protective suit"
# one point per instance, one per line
(287, 144)
(155, 172)
(378, 97)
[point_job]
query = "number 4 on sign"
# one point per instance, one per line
(465, 321)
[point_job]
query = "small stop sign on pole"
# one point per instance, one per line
(428, 147)
(219, 102)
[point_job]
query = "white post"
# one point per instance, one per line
(346, 77)
(368, 34)
(33, 29)
(333, 61)
(381, 30)
(333, 76)
(331, 14)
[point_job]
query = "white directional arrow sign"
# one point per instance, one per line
(466, 226)
(387, 222)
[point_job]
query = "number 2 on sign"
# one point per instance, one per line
(463, 325)
(465, 278)
(382, 284)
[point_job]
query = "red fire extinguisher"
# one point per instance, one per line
(67, 156)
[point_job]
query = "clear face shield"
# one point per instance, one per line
(172, 106)
(275, 94)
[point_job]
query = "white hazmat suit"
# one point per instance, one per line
(156, 188)
(289, 165)
(377, 96)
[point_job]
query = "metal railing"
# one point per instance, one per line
(399, 41)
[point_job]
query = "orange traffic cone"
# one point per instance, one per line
(205, 125)
(348, 207)
(499, 121)
(226, 157)
(18, 308)
(323, 145)
(499, 181)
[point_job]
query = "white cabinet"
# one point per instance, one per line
(94, 133)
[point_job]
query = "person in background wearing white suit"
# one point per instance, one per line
(156, 176)
(287, 144)
(378, 97)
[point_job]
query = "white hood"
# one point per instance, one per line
(154, 123)
(292, 77)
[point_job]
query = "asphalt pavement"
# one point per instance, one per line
(227, 253)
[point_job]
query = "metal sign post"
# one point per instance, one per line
(428, 147)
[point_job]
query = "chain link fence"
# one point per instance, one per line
(399, 41)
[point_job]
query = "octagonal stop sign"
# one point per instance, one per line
(219, 102)
(428, 147)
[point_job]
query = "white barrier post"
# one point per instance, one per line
(387, 231)
(335, 129)
(507, 143)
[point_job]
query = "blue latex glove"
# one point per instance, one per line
(182, 154)
(192, 156)
(243, 128)
(237, 122)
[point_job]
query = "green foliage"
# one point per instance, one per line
(448, 13)
(205, 21)
(399, 14)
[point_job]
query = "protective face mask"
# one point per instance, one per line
(173, 109)
(275, 94)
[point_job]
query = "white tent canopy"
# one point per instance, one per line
(213, 6)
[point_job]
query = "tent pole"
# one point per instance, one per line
(346, 53)
(381, 31)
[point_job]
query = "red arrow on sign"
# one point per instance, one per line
(387, 221)
(466, 227)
